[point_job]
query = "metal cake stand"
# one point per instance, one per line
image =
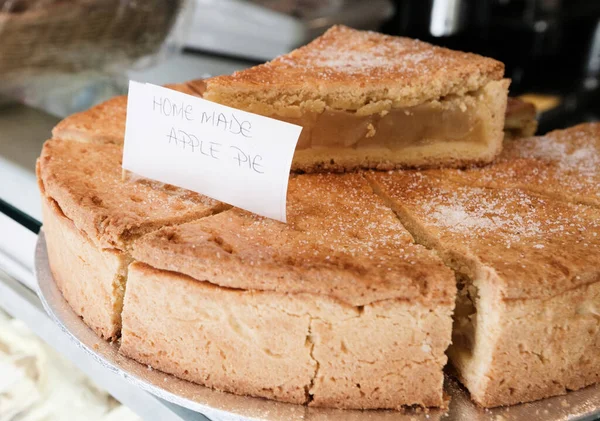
(582, 405)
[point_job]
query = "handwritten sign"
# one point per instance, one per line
(230, 155)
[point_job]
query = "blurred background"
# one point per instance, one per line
(62, 56)
(65, 55)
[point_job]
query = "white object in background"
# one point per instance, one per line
(183, 67)
(231, 155)
(24, 305)
(240, 28)
(244, 29)
(38, 384)
(445, 17)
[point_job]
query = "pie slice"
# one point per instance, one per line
(103, 123)
(336, 308)
(520, 120)
(367, 100)
(526, 320)
(91, 217)
(564, 164)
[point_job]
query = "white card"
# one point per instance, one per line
(234, 156)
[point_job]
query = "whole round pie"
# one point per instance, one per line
(358, 300)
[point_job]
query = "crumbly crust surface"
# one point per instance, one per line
(91, 280)
(349, 69)
(529, 266)
(563, 164)
(103, 123)
(299, 348)
(86, 181)
(340, 240)
(536, 246)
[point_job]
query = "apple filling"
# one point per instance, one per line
(468, 118)
(463, 330)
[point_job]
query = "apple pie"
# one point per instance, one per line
(367, 100)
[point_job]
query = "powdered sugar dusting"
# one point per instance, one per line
(475, 211)
(574, 150)
(369, 54)
(478, 216)
(582, 157)
(584, 160)
(458, 218)
(340, 239)
(563, 163)
(351, 61)
(347, 219)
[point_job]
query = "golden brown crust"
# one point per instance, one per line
(564, 164)
(298, 348)
(225, 336)
(536, 246)
(347, 161)
(576, 148)
(86, 182)
(529, 266)
(542, 348)
(91, 280)
(340, 240)
(103, 123)
(349, 69)
(353, 373)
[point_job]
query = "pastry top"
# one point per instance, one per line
(348, 69)
(563, 163)
(85, 180)
(105, 122)
(537, 247)
(576, 149)
(340, 240)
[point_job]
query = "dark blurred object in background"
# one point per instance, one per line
(551, 48)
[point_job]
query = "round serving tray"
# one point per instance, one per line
(582, 405)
